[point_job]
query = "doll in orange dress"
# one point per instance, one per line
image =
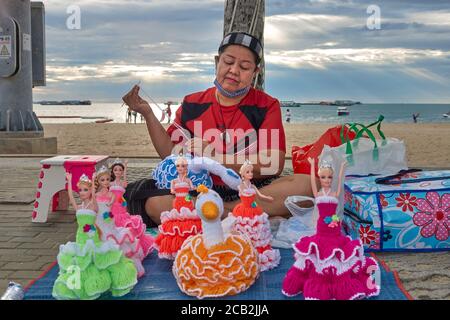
(182, 221)
(251, 220)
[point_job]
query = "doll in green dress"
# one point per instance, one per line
(90, 267)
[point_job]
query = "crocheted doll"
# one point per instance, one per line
(182, 221)
(252, 221)
(89, 266)
(134, 247)
(122, 218)
(328, 264)
(212, 264)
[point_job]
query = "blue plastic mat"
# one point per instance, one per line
(159, 284)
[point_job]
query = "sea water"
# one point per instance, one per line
(364, 113)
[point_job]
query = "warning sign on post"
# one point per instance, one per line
(5, 47)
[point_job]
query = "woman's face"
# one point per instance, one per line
(236, 68)
(104, 180)
(118, 171)
(84, 191)
(326, 178)
(248, 173)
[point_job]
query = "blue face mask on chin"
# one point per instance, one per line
(231, 94)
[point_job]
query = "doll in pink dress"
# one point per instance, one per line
(253, 222)
(182, 221)
(135, 228)
(328, 264)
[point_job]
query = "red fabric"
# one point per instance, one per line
(300, 155)
(233, 118)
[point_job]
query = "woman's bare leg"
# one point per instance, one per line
(154, 206)
(280, 189)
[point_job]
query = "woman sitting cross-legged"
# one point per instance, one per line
(229, 122)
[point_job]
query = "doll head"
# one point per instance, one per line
(103, 178)
(117, 169)
(182, 166)
(84, 186)
(246, 170)
(325, 173)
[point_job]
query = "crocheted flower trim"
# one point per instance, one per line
(107, 216)
(332, 221)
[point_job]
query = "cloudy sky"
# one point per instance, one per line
(315, 49)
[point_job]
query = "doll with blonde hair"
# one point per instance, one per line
(131, 237)
(182, 221)
(100, 264)
(251, 220)
(330, 265)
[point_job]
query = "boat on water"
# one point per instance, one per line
(66, 103)
(342, 111)
(290, 104)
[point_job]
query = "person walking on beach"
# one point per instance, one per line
(169, 113)
(288, 116)
(128, 115)
(232, 105)
(415, 116)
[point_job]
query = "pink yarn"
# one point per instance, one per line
(330, 265)
(132, 222)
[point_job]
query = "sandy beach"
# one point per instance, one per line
(428, 145)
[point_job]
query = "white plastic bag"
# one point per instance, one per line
(302, 223)
(388, 158)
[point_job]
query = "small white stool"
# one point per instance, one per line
(52, 184)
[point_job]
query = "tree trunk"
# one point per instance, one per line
(247, 16)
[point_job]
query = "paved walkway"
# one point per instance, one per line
(27, 249)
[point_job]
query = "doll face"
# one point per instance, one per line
(181, 168)
(104, 180)
(248, 173)
(118, 171)
(326, 178)
(84, 190)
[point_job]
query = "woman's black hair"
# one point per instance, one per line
(113, 177)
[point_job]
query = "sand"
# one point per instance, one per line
(428, 145)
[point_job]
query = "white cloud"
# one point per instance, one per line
(286, 28)
(321, 58)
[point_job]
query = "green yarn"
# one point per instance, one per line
(104, 260)
(123, 274)
(120, 293)
(99, 270)
(95, 281)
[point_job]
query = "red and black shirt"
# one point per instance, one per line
(253, 125)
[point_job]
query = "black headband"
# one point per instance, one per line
(243, 39)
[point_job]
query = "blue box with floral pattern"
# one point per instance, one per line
(405, 212)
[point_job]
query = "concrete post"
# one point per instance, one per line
(17, 119)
